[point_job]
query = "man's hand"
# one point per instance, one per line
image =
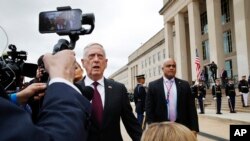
(62, 64)
(214, 98)
(34, 88)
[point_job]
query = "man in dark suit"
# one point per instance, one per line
(213, 68)
(139, 97)
(110, 102)
(64, 112)
(223, 76)
(170, 99)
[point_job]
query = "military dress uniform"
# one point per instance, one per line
(244, 90)
(201, 97)
(139, 99)
(194, 90)
(217, 94)
(230, 93)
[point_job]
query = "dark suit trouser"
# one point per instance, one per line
(232, 100)
(140, 118)
(218, 100)
(201, 105)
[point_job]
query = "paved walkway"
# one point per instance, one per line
(240, 117)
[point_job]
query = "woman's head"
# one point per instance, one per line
(168, 131)
(78, 72)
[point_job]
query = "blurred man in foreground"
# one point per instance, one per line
(64, 111)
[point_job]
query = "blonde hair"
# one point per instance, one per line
(168, 131)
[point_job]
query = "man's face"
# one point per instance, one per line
(141, 80)
(95, 62)
(169, 68)
(217, 82)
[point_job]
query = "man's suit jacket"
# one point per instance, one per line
(116, 106)
(156, 108)
(224, 74)
(63, 117)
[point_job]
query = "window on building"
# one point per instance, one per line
(228, 68)
(154, 71)
(154, 58)
(142, 64)
(145, 63)
(164, 54)
(149, 61)
(227, 39)
(225, 12)
(204, 27)
(159, 70)
(205, 50)
(149, 72)
(159, 56)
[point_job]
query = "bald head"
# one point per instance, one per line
(169, 68)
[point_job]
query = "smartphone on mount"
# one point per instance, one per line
(60, 21)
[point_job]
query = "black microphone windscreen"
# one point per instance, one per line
(87, 91)
(29, 69)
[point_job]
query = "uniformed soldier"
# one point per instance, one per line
(201, 96)
(244, 90)
(230, 93)
(139, 98)
(194, 90)
(217, 94)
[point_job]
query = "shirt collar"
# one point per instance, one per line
(89, 82)
(167, 80)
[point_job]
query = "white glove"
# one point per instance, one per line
(203, 98)
(228, 97)
(214, 98)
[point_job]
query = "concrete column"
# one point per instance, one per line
(195, 35)
(242, 35)
(180, 50)
(215, 33)
(168, 29)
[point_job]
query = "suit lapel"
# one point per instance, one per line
(82, 83)
(163, 96)
(178, 90)
(108, 93)
(161, 88)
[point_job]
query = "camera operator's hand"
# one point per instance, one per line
(24, 95)
(61, 65)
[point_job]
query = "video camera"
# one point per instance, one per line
(13, 68)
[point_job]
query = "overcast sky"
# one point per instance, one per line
(121, 26)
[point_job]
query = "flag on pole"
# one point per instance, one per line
(197, 65)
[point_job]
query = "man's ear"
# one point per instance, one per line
(82, 60)
(106, 63)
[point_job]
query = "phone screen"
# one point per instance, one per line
(60, 21)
